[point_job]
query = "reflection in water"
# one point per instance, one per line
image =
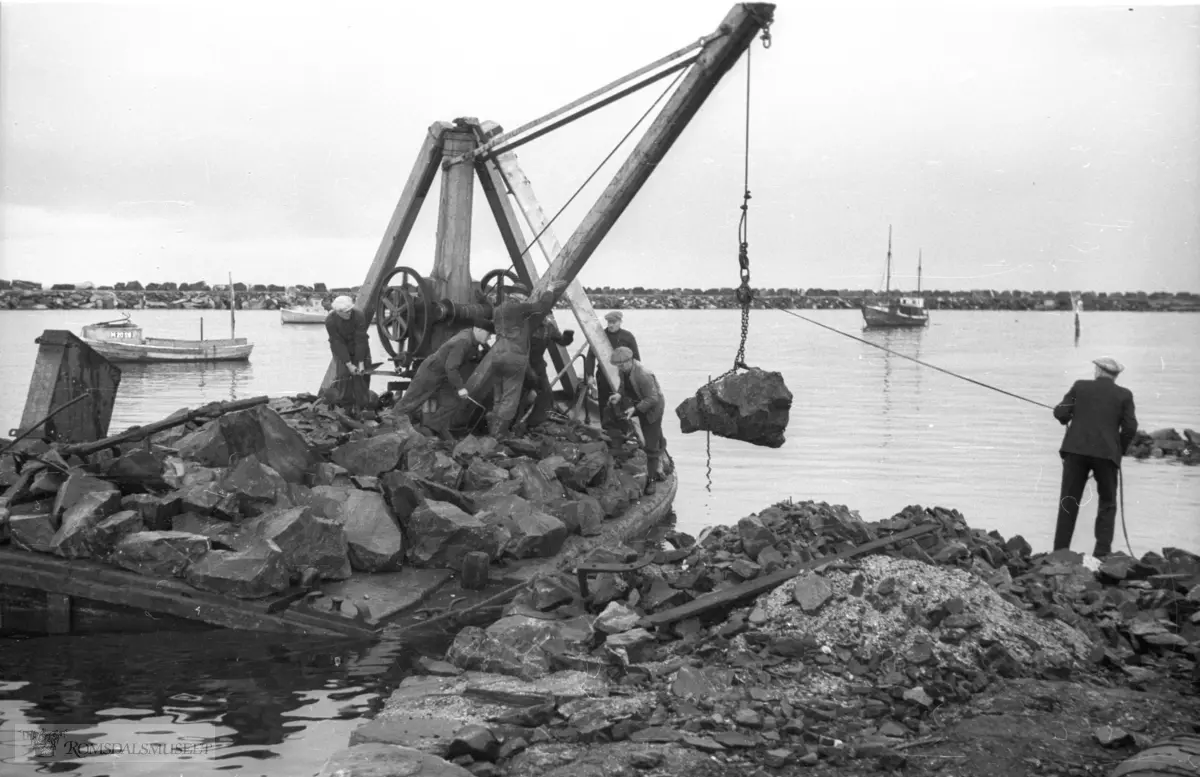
(902, 341)
(252, 693)
(146, 388)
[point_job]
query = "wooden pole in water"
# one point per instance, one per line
(201, 327)
(232, 308)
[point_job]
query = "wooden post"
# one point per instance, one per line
(508, 170)
(399, 228)
(67, 368)
(451, 276)
(58, 613)
(743, 22)
(232, 310)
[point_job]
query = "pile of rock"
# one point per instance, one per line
(1166, 443)
(851, 659)
(244, 504)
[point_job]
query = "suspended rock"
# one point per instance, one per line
(751, 406)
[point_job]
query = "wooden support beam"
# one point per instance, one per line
(758, 585)
(743, 23)
(496, 192)
(403, 217)
(509, 171)
(451, 276)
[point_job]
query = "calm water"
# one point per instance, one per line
(868, 429)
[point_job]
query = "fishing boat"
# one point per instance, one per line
(314, 314)
(896, 312)
(121, 340)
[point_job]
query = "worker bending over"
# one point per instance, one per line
(536, 378)
(640, 395)
(617, 337)
(444, 366)
(346, 326)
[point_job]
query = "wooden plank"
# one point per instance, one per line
(451, 276)
(58, 614)
(495, 190)
(389, 594)
(400, 226)
(40, 399)
(98, 582)
(743, 23)
(589, 323)
(757, 586)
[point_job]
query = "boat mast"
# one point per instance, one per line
(232, 308)
(918, 272)
(888, 281)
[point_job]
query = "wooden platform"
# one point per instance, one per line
(74, 592)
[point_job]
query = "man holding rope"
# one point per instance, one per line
(1100, 421)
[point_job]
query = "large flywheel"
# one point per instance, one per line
(404, 314)
(498, 284)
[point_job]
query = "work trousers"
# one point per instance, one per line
(423, 386)
(1076, 468)
(653, 433)
(543, 400)
(507, 375)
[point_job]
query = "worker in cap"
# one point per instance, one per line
(447, 366)
(639, 394)
(513, 320)
(1100, 420)
(537, 394)
(346, 326)
(617, 338)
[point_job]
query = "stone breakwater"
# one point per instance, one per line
(959, 646)
(26, 295)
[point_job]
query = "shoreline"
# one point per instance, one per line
(23, 295)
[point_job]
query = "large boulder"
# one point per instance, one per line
(752, 406)
(136, 470)
(251, 572)
(207, 499)
(77, 486)
(32, 532)
(156, 512)
(327, 501)
(403, 494)
(442, 535)
(255, 486)
(159, 553)
(76, 536)
(373, 539)
(519, 645)
(374, 455)
(260, 432)
(435, 466)
(533, 533)
(588, 471)
(482, 475)
(536, 486)
(305, 540)
(581, 516)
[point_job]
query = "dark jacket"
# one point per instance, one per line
(514, 322)
(641, 388)
(449, 358)
(1101, 419)
(348, 338)
(620, 338)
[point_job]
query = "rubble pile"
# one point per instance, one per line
(247, 503)
(852, 658)
(1166, 443)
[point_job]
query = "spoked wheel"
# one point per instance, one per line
(498, 284)
(404, 314)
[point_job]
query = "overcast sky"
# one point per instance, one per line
(1017, 147)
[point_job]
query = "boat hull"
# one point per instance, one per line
(295, 316)
(153, 349)
(882, 317)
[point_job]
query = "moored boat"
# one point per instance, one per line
(124, 341)
(309, 315)
(896, 312)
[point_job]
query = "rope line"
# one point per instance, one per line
(912, 359)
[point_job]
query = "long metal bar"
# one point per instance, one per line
(743, 23)
(507, 136)
(680, 65)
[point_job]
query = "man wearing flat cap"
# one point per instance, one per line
(617, 338)
(1100, 422)
(641, 395)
